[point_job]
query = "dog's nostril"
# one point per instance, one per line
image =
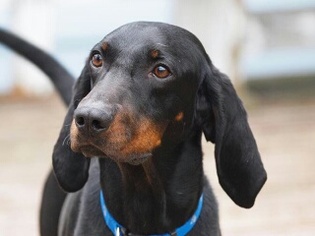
(97, 125)
(91, 120)
(80, 121)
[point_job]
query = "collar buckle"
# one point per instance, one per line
(117, 232)
(120, 231)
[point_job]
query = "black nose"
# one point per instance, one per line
(93, 120)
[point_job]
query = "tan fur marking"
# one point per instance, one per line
(104, 46)
(155, 54)
(117, 130)
(147, 137)
(73, 136)
(126, 136)
(179, 116)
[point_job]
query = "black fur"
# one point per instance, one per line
(159, 194)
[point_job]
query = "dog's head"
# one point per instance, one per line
(148, 84)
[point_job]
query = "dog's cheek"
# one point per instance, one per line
(119, 131)
(146, 138)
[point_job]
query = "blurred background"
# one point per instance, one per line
(266, 47)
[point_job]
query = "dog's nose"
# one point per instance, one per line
(93, 120)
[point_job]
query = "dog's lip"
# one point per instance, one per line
(90, 151)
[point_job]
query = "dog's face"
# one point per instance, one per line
(143, 87)
(149, 86)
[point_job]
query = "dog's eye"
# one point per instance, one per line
(97, 60)
(161, 71)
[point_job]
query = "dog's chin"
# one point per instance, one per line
(138, 159)
(90, 151)
(132, 159)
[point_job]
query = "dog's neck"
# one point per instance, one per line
(159, 195)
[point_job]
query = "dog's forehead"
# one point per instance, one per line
(148, 34)
(130, 36)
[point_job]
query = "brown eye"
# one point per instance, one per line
(161, 72)
(97, 60)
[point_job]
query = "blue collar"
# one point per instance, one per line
(118, 230)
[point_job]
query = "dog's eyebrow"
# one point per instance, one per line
(155, 53)
(104, 46)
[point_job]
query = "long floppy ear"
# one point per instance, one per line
(223, 119)
(71, 169)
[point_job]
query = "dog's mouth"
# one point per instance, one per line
(133, 159)
(91, 151)
(126, 137)
(131, 142)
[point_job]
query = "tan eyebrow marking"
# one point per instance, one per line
(155, 53)
(104, 46)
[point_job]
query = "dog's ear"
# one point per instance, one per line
(71, 169)
(223, 119)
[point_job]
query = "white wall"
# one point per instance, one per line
(69, 29)
(218, 24)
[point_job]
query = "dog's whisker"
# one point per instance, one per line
(66, 140)
(69, 141)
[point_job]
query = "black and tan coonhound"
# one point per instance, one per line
(129, 152)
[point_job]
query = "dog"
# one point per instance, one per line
(129, 152)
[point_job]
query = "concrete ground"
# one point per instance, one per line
(285, 134)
